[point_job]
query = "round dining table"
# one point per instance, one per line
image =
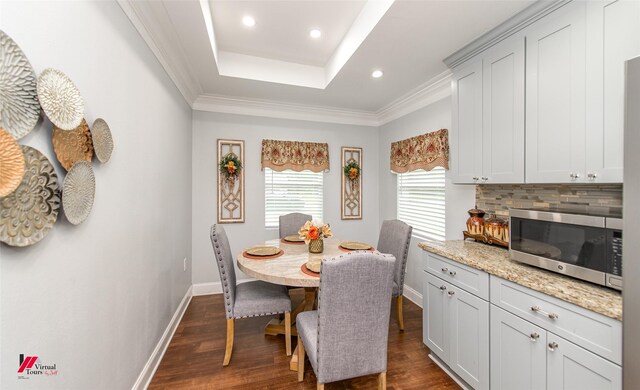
(287, 270)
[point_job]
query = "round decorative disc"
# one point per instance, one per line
(11, 163)
(78, 192)
(102, 140)
(60, 99)
(74, 145)
(19, 107)
(28, 213)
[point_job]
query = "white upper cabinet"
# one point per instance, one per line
(555, 92)
(466, 135)
(503, 112)
(613, 29)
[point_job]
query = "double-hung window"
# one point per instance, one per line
(291, 192)
(421, 202)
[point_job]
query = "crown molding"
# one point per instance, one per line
(522, 19)
(161, 38)
(271, 109)
(430, 92)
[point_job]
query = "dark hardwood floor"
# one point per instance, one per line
(194, 358)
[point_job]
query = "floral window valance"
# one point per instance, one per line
(294, 155)
(425, 151)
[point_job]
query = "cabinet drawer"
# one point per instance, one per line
(470, 279)
(592, 331)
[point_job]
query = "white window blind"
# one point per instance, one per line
(421, 202)
(290, 192)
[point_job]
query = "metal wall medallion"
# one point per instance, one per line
(28, 214)
(78, 192)
(19, 107)
(102, 140)
(11, 163)
(351, 198)
(60, 99)
(72, 146)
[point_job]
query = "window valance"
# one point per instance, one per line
(425, 151)
(294, 155)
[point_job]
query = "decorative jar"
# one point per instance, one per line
(475, 223)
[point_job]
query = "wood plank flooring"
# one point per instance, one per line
(194, 358)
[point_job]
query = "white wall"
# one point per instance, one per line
(208, 127)
(94, 299)
(459, 198)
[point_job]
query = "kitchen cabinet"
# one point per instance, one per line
(555, 96)
(487, 140)
(613, 29)
(456, 329)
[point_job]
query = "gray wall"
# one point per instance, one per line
(208, 127)
(459, 198)
(95, 299)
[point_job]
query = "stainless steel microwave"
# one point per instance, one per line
(587, 247)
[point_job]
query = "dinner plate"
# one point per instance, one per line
(293, 238)
(263, 251)
(314, 265)
(354, 245)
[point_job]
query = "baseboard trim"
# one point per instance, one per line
(451, 374)
(412, 295)
(150, 368)
(212, 287)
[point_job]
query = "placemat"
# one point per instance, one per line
(307, 271)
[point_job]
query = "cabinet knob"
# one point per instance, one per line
(442, 288)
(552, 346)
(445, 269)
(592, 176)
(475, 178)
(534, 336)
(452, 273)
(484, 178)
(451, 293)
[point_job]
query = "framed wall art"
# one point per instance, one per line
(351, 198)
(230, 181)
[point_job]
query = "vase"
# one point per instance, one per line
(475, 223)
(316, 246)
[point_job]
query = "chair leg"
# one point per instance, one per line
(382, 381)
(400, 317)
(300, 360)
(287, 331)
(229, 348)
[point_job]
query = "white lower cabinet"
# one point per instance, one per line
(456, 330)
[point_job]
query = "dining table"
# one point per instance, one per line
(286, 270)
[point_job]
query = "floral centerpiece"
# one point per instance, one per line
(230, 167)
(352, 172)
(313, 233)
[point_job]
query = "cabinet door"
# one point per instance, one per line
(570, 367)
(466, 134)
(434, 318)
(503, 112)
(469, 337)
(613, 28)
(518, 353)
(555, 96)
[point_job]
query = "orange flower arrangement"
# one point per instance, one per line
(231, 167)
(352, 170)
(313, 231)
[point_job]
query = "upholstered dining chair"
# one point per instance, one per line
(291, 223)
(347, 336)
(251, 299)
(395, 237)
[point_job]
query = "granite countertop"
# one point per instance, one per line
(495, 261)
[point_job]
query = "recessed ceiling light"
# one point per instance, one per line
(315, 33)
(376, 74)
(248, 21)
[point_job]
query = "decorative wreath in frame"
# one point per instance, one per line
(230, 168)
(352, 172)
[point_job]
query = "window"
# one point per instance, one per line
(421, 202)
(290, 192)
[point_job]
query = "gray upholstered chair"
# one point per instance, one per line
(291, 223)
(249, 299)
(395, 237)
(347, 336)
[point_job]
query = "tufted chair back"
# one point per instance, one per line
(224, 260)
(395, 237)
(291, 223)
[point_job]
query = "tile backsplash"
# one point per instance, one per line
(585, 198)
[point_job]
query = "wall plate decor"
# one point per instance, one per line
(102, 140)
(230, 181)
(11, 163)
(60, 99)
(74, 145)
(28, 213)
(19, 107)
(78, 192)
(351, 183)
